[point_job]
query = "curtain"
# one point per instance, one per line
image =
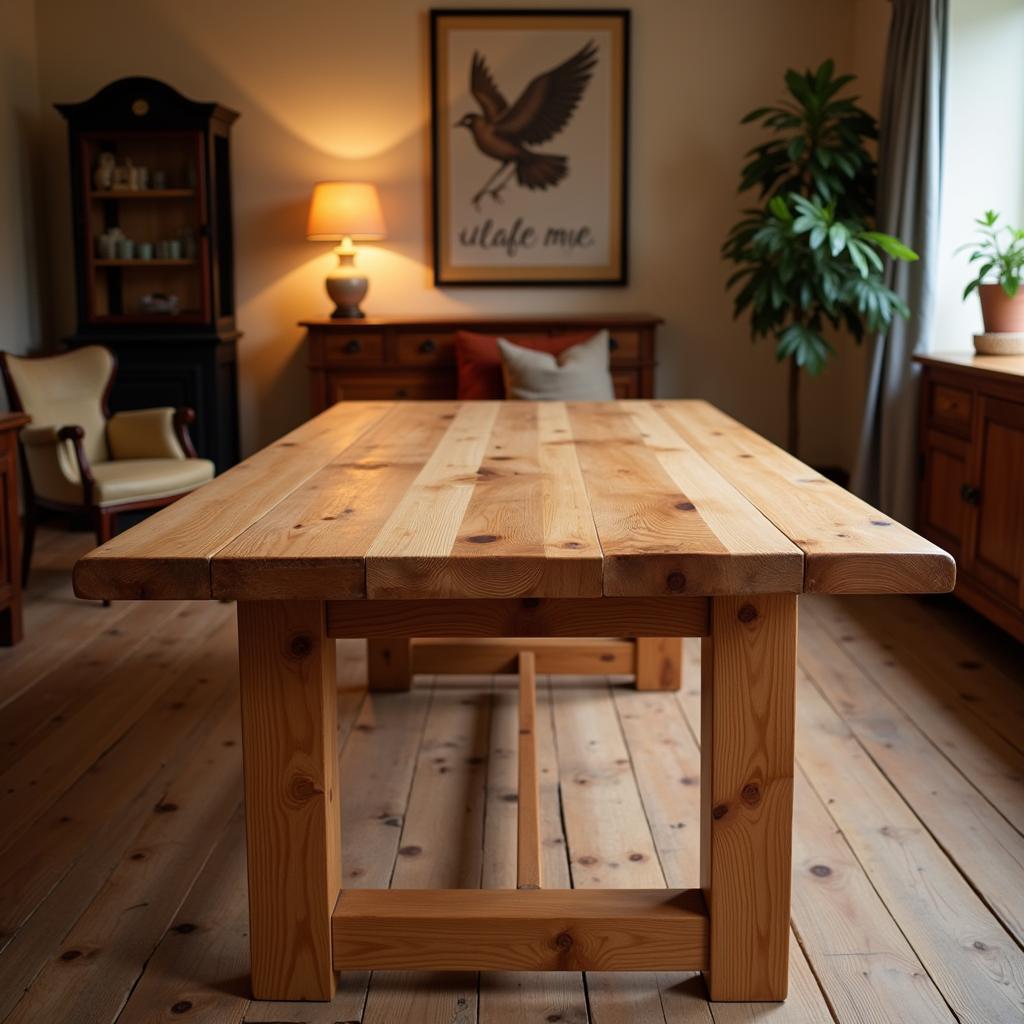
(909, 182)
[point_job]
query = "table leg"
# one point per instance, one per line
(293, 830)
(659, 662)
(748, 682)
(389, 663)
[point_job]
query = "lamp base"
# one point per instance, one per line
(347, 313)
(346, 286)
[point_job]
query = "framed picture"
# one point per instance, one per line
(529, 113)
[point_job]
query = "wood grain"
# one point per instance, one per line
(293, 831)
(659, 663)
(849, 547)
(168, 555)
(554, 656)
(529, 856)
(524, 930)
(530, 617)
(448, 500)
(389, 663)
(748, 674)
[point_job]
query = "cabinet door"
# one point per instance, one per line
(944, 512)
(996, 549)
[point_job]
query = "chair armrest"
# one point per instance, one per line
(33, 437)
(150, 434)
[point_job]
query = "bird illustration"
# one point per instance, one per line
(541, 112)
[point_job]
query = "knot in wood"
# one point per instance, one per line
(482, 538)
(304, 788)
(751, 794)
(531, 602)
(71, 954)
(685, 506)
(301, 646)
(720, 811)
(563, 941)
(821, 871)
(747, 613)
(181, 1007)
(676, 582)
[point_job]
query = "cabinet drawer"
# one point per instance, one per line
(426, 349)
(950, 407)
(625, 346)
(355, 349)
(366, 387)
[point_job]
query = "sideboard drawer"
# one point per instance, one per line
(426, 349)
(369, 387)
(625, 346)
(354, 349)
(949, 407)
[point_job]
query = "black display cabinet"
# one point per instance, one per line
(154, 251)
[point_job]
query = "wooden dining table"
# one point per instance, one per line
(521, 522)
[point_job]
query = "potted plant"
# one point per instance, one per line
(809, 256)
(1000, 252)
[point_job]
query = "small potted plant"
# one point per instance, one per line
(1000, 253)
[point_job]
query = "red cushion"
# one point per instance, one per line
(478, 359)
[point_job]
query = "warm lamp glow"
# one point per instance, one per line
(345, 209)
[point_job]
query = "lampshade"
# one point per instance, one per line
(345, 209)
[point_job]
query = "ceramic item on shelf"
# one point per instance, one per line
(103, 174)
(160, 302)
(174, 249)
(106, 244)
(125, 249)
(995, 343)
(144, 251)
(123, 175)
(139, 178)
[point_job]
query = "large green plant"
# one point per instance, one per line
(809, 256)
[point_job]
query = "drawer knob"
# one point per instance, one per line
(427, 346)
(613, 344)
(401, 393)
(353, 345)
(970, 494)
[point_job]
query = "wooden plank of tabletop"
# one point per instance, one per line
(668, 523)
(312, 545)
(849, 547)
(168, 555)
(499, 510)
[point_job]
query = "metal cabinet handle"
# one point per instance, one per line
(970, 494)
(427, 346)
(353, 345)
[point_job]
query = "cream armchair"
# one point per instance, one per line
(79, 457)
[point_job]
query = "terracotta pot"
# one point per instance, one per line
(999, 311)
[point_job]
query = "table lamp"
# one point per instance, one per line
(345, 212)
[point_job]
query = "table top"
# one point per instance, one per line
(1007, 367)
(515, 499)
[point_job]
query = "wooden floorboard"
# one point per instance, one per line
(122, 870)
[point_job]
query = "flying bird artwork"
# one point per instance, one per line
(542, 111)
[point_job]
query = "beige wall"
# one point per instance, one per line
(338, 88)
(19, 101)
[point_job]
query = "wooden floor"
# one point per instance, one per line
(122, 871)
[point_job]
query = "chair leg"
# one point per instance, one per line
(28, 541)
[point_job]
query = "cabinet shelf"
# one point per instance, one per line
(144, 263)
(146, 193)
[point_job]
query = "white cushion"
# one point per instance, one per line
(579, 374)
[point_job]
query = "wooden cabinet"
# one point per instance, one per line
(10, 530)
(154, 256)
(971, 495)
(396, 357)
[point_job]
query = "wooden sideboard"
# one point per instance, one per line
(406, 357)
(971, 490)
(10, 529)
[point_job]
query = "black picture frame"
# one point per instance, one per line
(540, 276)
